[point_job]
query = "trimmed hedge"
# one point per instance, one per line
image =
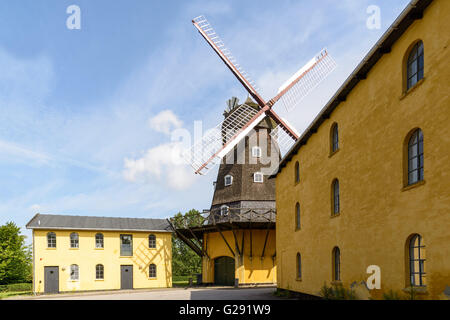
(16, 287)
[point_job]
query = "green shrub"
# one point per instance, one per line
(336, 292)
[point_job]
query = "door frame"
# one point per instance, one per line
(45, 278)
(132, 278)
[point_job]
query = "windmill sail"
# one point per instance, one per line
(213, 39)
(217, 142)
(293, 91)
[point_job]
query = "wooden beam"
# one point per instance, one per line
(242, 246)
(187, 241)
(200, 242)
(235, 241)
(226, 242)
(265, 241)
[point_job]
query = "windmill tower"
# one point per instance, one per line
(237, 239)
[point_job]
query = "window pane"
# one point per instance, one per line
(412, 177)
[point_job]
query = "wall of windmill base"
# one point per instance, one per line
(378, 213)
(249, 270)
(87, 256)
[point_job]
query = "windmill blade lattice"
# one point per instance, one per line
(218, 45)
(305, 80)
(217, 142)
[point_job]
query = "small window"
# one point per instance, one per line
(297, 216)
(256, 152)
(228, 180)
(152, 271)
(224, 210)
(415, 157)
(74, 272)
(152, 241)
(126, 245)
(51, 240)
(258, 177)
(99, 272)
(297, 172)
(334, 138)
(336, 208)
(299, 266)
(336, 264)
(415, 65)
(74, 242)
(417, 261)
(99, 241)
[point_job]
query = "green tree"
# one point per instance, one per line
(15, 256)
(184, 260)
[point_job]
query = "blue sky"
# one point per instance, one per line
(86, 115)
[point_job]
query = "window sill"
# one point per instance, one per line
(298, 229)
(99, 279)
(414, 185)
(74, 248)
(50, 248)
(298, 279)
(152, 278)
(125, 256)
(99, 248)
(418, 84)
(332, 153)
(335, 215)
(336, 282)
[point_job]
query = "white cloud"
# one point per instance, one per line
(163, 163)
(165, 121)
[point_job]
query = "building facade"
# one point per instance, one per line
(368, 183)
(74, 253)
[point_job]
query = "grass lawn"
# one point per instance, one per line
(182, 281)
(15, 289)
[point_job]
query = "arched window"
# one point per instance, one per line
(74, 272)
(336, 264)
(51, 240)
(335, 197)
(415, 157)
(299, 266)
(152, 271)
(297, 172)
(224, 210)
(297, 216)
(99, 240)
(99, 272)
(152, 241)
(417, 261)
(74, 240)
(415, 65)
(228, 180)
(334, 138)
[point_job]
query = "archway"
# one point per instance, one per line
(224, 271)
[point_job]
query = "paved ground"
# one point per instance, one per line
(212, 293)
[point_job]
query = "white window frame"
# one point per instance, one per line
(258, 174)
(256, 152)
(225, 180)
(224, 214)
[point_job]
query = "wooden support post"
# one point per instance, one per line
(191, 245)
(242, 246)
(200, 242)
(235, 241)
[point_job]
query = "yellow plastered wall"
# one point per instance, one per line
(254, 270)
(87, 257)
(378, 214)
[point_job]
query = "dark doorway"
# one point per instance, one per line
(224, 271)
(126, 277)
(51, 279)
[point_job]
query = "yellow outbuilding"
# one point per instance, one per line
(78, 253)
(363, 198)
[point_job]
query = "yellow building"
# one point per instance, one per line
(368, 183)
(75, 253)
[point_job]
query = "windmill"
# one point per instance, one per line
(216, 143)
